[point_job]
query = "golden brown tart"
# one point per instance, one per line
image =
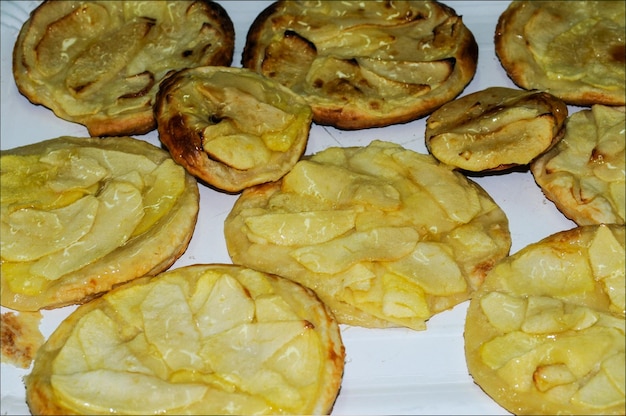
(231, 127)
(495, 129)
(384, 235)
(584, 173)
(99, 63)
(202, 339)
(572, 49)
(545, 332)
(81, 215)
(364, 64)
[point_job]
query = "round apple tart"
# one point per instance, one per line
(572, 49)
(364, 64)
(495, 129)
(99, 63)
(202, 339)
(584, 173)
(545, 332)
(231, 127)
(81, 215)
(385, 236)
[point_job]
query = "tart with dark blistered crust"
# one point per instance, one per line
(99, 63)
(364, 64)
(231, 127)
(495, 129)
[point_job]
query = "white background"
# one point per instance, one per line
(391, 371)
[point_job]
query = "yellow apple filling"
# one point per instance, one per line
(70, 207)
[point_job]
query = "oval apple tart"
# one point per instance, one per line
(99, 63)
(584, 173)
(572, 49)
(202, 339)
(385, 236)
(231, 127)
(545, 332)
(495, 129)
(81, 215)
(364, 64)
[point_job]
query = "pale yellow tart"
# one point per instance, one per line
(80, 215)
(231, 127)
(584, 173)
(99, 63)
(495, 129)
(364, 64)
(384, 235)
(575, 50)
(545, 332)
(202, 339)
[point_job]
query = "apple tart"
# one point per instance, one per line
(584, 173)
(99, 63)
(545, 332)
(81, 215)
(384, 235)
(231, 127)
(495, 129)
(364, 64)
(202, 339)
(572, 49)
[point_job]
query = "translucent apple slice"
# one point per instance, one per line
(99, 391)
(110, 230)
(312, 227)
(38, 233)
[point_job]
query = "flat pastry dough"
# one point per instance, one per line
(20, 337)
(231, 127)
(572, 49)
(495, 129)
(545, 332)
(99, 63)
(584, 173)
(202, 339)
(81, 215)
(384, 235)
(364, 64)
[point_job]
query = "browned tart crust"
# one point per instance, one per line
(572, 49)
(584, 173)
(81, 215)
(545, 332)
(231, 127)
(203, 339)
(99, 63)
(495, 129)
(364, 64)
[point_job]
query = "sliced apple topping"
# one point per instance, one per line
(110, 230)
(298, 228)
(37, 233)
(381, 244)
(505, 312)
(79, 204)
(433, 267)
(100, 390)
(606, 255)
(204, 341)
(344, 218)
